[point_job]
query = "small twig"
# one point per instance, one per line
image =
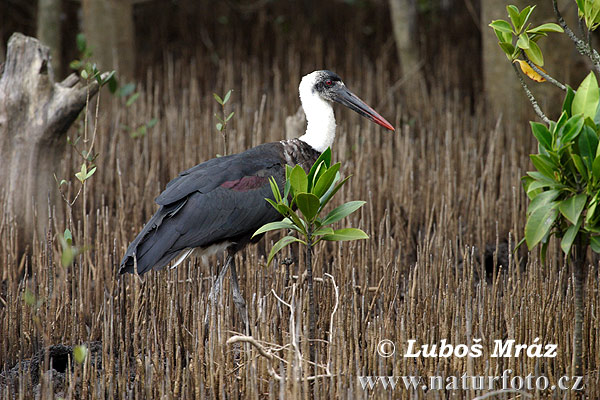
(331, 325)
(542, 73)
(532, 99)
(263, 352)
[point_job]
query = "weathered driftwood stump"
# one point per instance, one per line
(35, 113)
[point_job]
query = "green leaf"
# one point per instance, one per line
(571, 129)
(342, 211)
(80, 353)
(508, 48)
(271, 226)
(539, 224)
(308, 204)
(68, 236)
(572, 207)
(549, 27)
(544, 164)
(569, 238)
(523, 41)
(595, 243)
(542, 134)
(67, 256)
(579, 165)
(513, 13)
(314, 175)
(275, 189)
(284, 241)
(81, 42)
(227, 96)
(542, 199)
(503, 37)
(596, 167)
(132, 99)
(568, 102)
(591, 211)
(588, 143)
(218, 98)
(82, 173)
(152, 122)
(126, 90)
(229, 116)
(525, 14)
(538, 176)
(75, 64)
(326, 180)
(586, 98)
(346, 234)
(324, 157)
(535, 54)
(298, 180)
(331, 192)
(291, 214)
(29, 298)
(219, 126)
(89, 174)
(502, 26)
(84, 74)
(324, 230)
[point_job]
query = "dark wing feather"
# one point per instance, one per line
(221, 199)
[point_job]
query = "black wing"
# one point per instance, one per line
(222, 199)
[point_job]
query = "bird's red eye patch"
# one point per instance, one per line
(328, 82)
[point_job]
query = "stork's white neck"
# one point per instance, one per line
(320, 127)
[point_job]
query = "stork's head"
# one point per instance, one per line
(328, 86)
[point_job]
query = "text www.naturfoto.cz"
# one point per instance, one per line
(467, 382)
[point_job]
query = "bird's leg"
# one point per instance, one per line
(238, 299)
(215, 293)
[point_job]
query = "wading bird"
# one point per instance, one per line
(219, 204)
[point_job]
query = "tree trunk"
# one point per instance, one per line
(109, 30)
(35, 113)
(406, 36)
(48, 30)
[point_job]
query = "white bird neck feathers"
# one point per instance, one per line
(320, 127)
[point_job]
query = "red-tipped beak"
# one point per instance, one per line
(350, 100)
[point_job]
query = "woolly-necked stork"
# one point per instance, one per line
(219, 204)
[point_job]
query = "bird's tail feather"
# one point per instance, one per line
(152, 246)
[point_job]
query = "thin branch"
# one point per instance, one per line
(263, 352)
(331, 325)
(542, 73)
(532, 99)
(582, 47)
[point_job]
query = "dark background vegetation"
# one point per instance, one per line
(443, 192)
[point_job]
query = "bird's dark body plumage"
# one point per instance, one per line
(220, 201)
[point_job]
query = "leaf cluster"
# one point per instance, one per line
(303, 200)
(589, 12)
(88, 69)
(565, 188)
(519, 35)
(222, 124)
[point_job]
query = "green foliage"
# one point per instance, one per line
(589, 11)
(69, 252)
(80, 353)
(564, 191)
(88, 69)
(310, 193)
(518, 35)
